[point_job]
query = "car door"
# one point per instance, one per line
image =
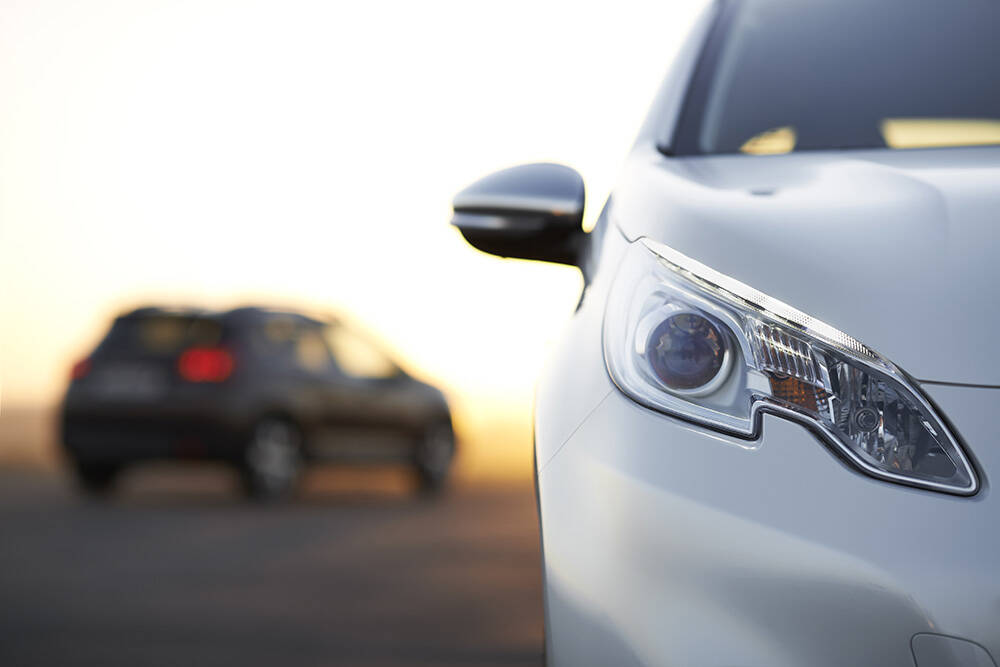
(367, 415)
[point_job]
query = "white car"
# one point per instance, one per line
(768, 435)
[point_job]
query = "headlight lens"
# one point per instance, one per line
(685, 339)
(687, 352)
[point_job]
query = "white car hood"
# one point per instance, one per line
(896, 248)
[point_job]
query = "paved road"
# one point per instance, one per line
(178, 571)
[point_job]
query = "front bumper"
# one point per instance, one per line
(669, 544)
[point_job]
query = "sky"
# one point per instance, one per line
(302, 153)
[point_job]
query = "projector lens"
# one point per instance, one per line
(686, 351)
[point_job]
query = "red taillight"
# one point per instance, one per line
(80, 369)
(205, 364)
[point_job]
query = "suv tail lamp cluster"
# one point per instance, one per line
(205, 364)
(80, 369)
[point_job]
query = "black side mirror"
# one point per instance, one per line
(534, 211)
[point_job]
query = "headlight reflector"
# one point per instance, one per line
(685, 339)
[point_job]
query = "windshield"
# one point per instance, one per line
(780, 76)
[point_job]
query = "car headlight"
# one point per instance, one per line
(685, 339)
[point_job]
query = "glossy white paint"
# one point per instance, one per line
(669, 544)
(666, 543)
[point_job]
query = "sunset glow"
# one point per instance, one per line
(220, 153)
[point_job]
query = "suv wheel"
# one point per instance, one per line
(432, 456)
(272, 460)
(96, 479)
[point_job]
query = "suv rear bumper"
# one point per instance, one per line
(122, 436)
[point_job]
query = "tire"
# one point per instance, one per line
(272, 460)
(433, 455)
(96, 479)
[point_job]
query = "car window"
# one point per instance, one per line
(291, 342)
(280, 330)
(358, 356)
(273, 340)
(311, 353)
(159, 334)
(789, 76)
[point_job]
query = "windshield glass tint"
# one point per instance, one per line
(815, 75)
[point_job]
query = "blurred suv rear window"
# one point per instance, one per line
(160, 334)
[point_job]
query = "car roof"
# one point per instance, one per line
(241, 315)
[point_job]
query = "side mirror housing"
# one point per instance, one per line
(534, 211)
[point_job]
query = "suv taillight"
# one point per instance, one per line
(80, 369)
(205, 364)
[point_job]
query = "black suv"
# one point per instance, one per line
(266, 390)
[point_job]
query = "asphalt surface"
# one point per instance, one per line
(178, 570)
